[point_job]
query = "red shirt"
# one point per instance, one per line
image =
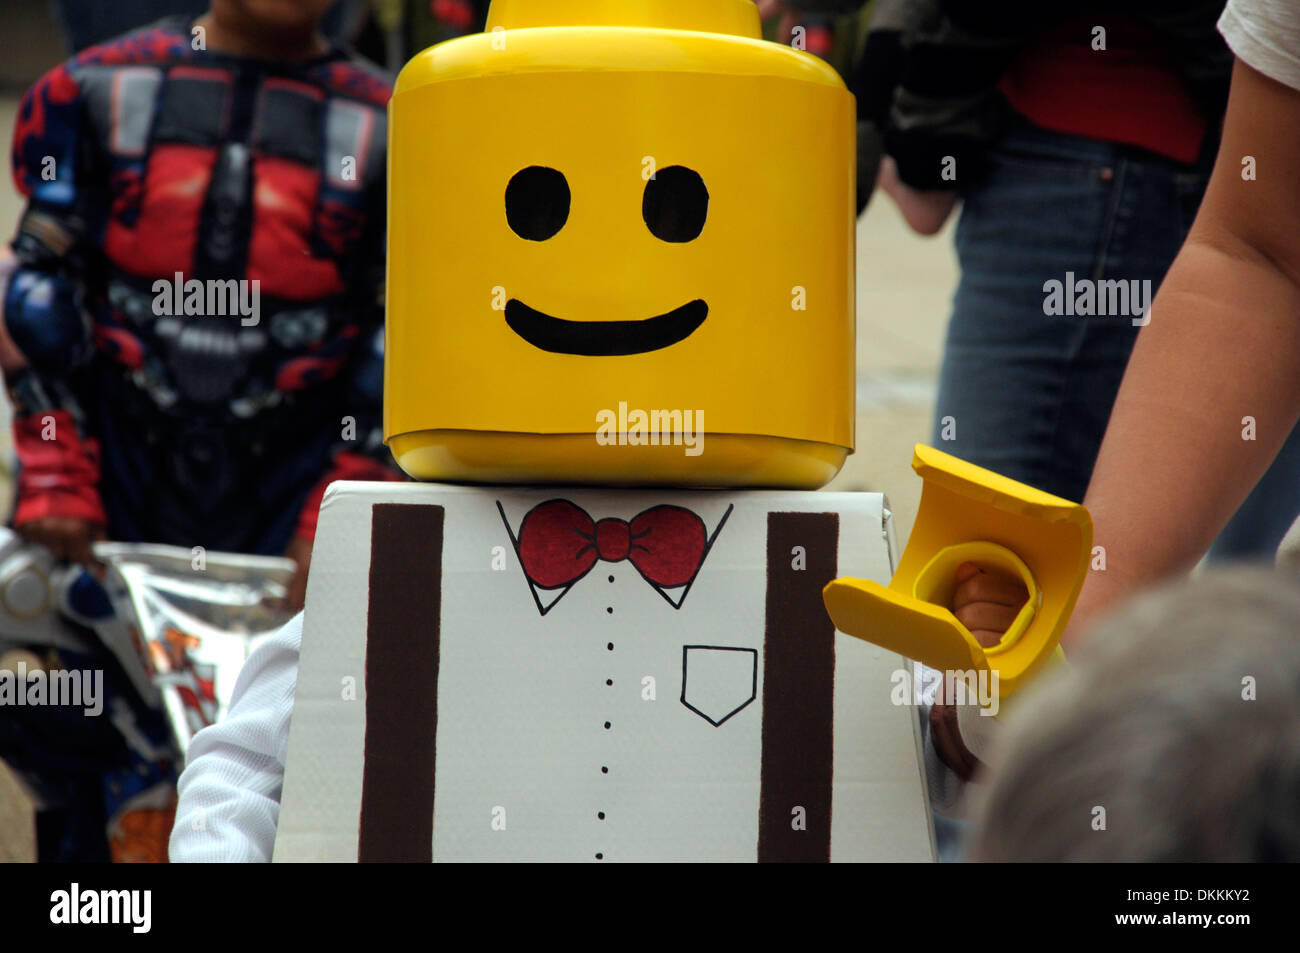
(1130, 92)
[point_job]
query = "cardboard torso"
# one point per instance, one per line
(610, 718)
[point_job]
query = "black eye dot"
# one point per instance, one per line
(675, 204)
(537, 203)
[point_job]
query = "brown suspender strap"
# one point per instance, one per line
(402, 631)
(794, 814)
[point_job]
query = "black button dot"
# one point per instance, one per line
(611, 578)
(609, 681)
(609, 609)
(600, 856)
(604, 769)
(610, 646)
(601, 815)
(607, 725)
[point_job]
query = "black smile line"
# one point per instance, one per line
(604, 338)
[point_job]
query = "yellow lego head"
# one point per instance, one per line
(620, 251)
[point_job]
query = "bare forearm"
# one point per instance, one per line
(1211, 393)
(1213, 387)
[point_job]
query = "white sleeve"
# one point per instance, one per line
(979, 733)
(945, 787)
(230, 788)
(1265, 34)
(941, 781)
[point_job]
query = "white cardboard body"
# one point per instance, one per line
(523, 698)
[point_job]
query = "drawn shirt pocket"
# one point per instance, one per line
(718, 681)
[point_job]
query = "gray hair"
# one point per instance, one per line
(1173, 736)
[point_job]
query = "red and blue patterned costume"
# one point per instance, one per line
(147, 160)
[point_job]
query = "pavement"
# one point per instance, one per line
(904, 290)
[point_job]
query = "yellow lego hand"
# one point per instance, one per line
(901, 623)
(939, 610)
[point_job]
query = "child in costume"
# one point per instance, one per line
(193, 344)
(553, 273)
(240, 148)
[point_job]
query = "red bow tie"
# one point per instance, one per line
(559, 543)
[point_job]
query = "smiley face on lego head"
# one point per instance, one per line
(597, 206)
(674, 208)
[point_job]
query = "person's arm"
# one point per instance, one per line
(46, 337)
(229, 803)
(927, 117)
(1218, 363)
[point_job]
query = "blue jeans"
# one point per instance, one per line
(1028, 394)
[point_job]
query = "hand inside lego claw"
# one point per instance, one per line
(987, 603)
